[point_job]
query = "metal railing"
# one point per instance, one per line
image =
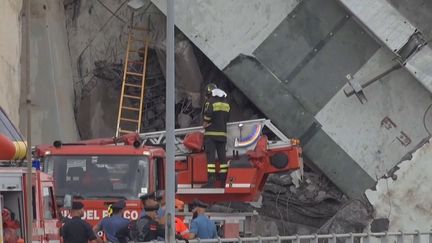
(381, 237)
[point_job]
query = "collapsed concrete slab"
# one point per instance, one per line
(296, 76)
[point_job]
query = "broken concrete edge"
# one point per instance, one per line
(384, 192)
(256, 80)
(419, 62)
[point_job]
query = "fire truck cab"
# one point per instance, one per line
(13, 193)
(99, 175)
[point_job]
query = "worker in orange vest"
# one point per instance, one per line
(180, 227)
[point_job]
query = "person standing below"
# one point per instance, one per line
(147, 228)
(77, 230)
(215, 117)
(201, 226)
(182, 231)
(148, 200)
(115, 227)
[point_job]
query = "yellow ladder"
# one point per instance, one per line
(133, 84)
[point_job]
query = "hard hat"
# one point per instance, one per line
(151, 195)
(179, 204)
(119, 204)
(77, 205)
(199, 204)
(210, 87)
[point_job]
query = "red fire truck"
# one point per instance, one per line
(101, 171)
(46, 217)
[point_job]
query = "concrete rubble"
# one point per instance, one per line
(314, 206)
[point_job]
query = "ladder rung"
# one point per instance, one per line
(139, 51)
(130, 108)
(135, 39)
(133, 85)
(135, 74)
(126, 131)
(132, 62)
(129, 120)
(140, 28)
(132, 97)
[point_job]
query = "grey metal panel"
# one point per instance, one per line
(326, 74)
(337, 165)
(11, 182)
(383, 20)
(269, 95)
(309, 23)
(418, 12)
(391, 124)
(394, 30)
(420, 66)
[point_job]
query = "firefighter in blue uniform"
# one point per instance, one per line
(115, 227)
(201, 226)
(215, 117)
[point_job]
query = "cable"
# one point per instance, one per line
(424, 119)
(101, 28)
(389, 199)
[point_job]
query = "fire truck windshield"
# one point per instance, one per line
(101, 176)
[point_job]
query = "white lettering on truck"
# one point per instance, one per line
(93, 214)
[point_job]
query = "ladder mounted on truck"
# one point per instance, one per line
(242, 136)
(133, 83)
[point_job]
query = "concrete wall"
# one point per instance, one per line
(10, 52)
(51, 75)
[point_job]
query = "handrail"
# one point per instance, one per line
(378, 236)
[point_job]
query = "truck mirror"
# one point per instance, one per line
(60, 203)
(67, 201)
(175, 188)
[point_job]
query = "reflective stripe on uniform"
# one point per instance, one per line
(210, 133)
(223, 168)
(207, 118)
(221, 106)
(211, 168)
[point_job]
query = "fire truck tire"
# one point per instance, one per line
(279, 160)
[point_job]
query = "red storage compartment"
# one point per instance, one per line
(198, 163)
(240, 180)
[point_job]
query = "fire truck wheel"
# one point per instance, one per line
(279, 160)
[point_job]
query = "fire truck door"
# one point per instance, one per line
(49, 213)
